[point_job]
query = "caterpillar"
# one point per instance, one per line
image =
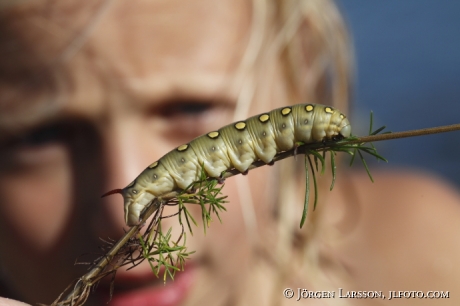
(236, 145)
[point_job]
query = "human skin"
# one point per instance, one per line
(149, 77)
(10, 302)
(135, 86)
(133, 94)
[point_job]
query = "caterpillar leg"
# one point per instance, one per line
(337, 137)
(192, 190)
(296, 146)
(221, 179)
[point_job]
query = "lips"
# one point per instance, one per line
(147, 289)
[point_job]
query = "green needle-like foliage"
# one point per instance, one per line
(161, 253)
(332, 148)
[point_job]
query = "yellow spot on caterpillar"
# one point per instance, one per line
(264, 118)
(131, 185)
(240, 125)
(286, 111)
(309, 108)
(342, 116)
(182, 148)
(154, 165)
(328, 110)
(213, 135)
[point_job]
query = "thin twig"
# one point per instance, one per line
(93, 275)
(413, 133)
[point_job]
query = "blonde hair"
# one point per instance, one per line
(310, 40)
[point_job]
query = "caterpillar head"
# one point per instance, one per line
(135, 200)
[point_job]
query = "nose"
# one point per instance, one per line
(127, 151)
(122, 161)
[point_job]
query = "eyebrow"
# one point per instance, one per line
(19, 118)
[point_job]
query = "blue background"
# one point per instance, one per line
(408, 73)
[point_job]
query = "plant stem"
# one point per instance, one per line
(413, 133)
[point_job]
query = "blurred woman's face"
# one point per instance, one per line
(133, 82)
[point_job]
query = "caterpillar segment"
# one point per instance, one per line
(236, 145)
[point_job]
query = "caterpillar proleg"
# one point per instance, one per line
(236, 145)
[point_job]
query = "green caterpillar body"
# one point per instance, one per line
(236, 145)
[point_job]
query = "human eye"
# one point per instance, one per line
(185, 108)
(36, 146)
(41, 137)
